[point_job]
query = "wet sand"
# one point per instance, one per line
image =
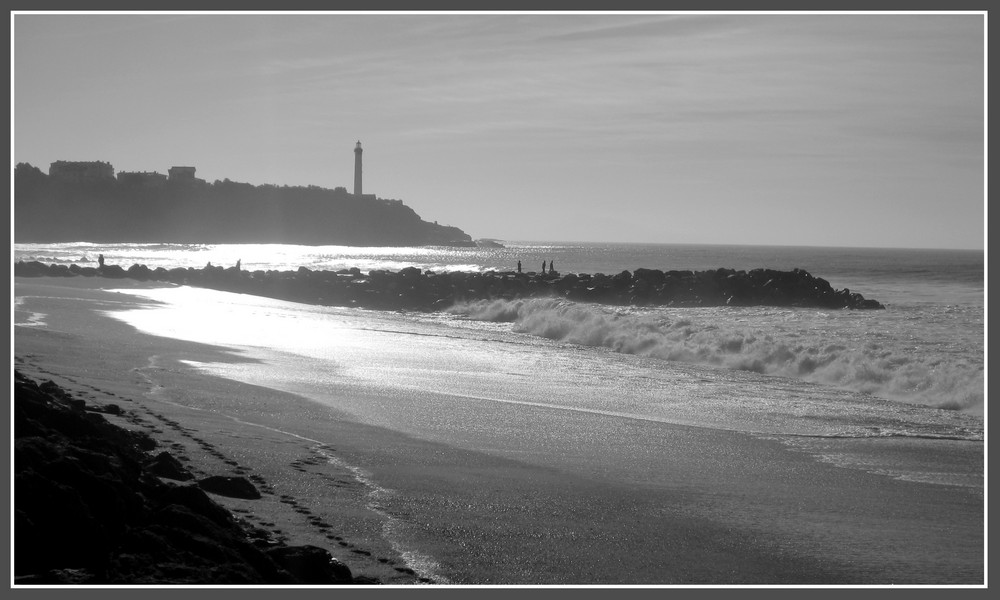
(410, 511)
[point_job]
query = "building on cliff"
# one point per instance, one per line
(81, 171)
(142, 178)
(183, 175)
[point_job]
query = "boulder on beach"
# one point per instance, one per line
(166, 466)
(232, 487)
(311, 564)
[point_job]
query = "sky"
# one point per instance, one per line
(863, 130)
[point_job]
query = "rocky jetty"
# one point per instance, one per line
(93, 506)
(414, 289)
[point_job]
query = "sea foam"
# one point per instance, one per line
(808, 345)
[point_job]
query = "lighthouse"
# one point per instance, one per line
(357, 169)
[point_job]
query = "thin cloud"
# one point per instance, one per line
(656, 26)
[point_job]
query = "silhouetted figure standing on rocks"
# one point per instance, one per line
(552, 267)
(543, 267)
(100, 261)
(518, 266)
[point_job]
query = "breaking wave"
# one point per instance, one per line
(835, 350)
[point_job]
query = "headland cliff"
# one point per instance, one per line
(110, 210)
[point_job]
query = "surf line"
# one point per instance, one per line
(423, 565)
(581, 409)
(857, 433)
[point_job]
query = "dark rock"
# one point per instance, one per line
(113, 271)
(197, 500)
(54, 525)
(412, 289)
(651, 276)
(88, 511)
(140, 272)
(232, 487)
(30, 269)
(58, 577)
(165, 465)
(108, 409)
(311, 565)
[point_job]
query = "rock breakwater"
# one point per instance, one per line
(414, 289)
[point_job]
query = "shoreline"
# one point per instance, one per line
(297, 469)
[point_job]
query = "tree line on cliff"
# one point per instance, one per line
(50, 210)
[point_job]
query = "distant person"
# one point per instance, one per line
(518, 266)
(100, 261)
(552, 266)
(543, 267)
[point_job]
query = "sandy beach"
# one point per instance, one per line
(739, 510)
(103, 361)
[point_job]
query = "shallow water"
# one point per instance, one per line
(458, 366)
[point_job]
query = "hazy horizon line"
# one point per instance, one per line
(546, 243)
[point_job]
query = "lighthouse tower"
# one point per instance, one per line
(357, 169)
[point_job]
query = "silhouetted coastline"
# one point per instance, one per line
(414, 289)
(48, 209)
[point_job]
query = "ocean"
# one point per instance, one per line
(898, 394)
(927, 348)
